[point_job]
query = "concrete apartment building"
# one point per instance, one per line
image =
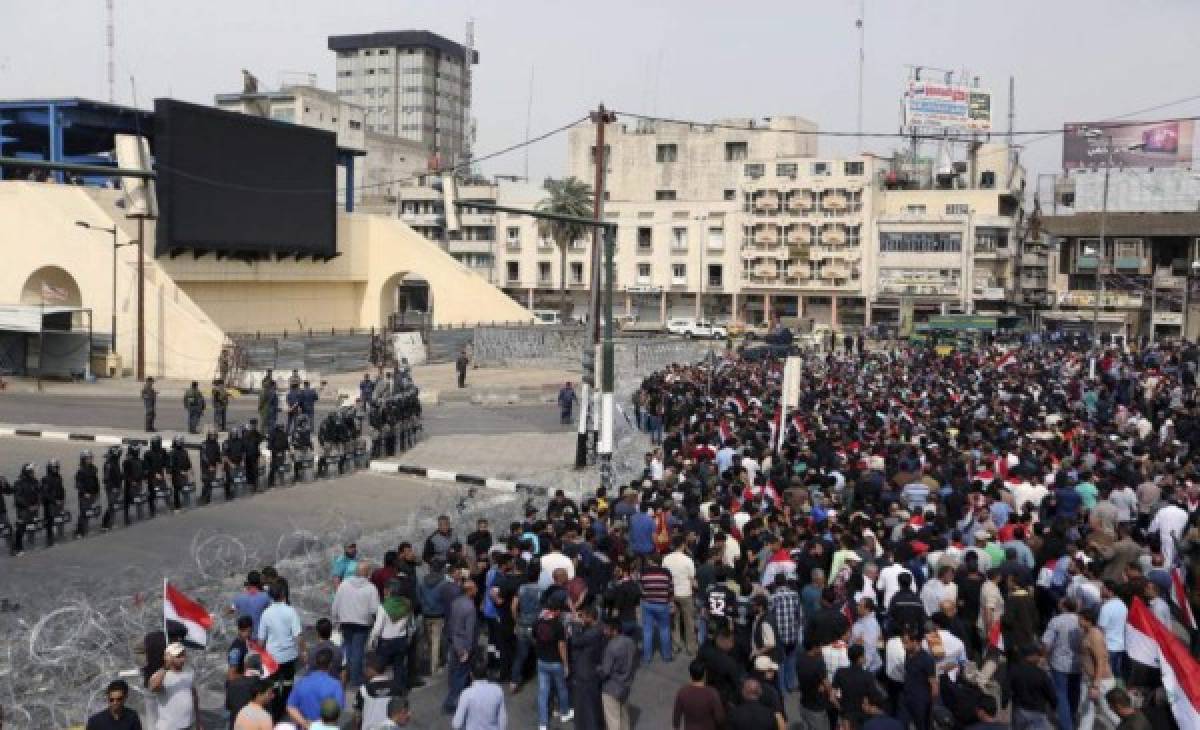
(673, 189)
(474, 244)
(413, 84)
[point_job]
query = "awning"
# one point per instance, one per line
(27, 317)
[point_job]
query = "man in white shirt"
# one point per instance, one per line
(683, 575)
(889, 582)
(1169, 523)
(552, 561)
(175, 690)
(938, 589)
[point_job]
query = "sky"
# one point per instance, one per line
(1072, 60)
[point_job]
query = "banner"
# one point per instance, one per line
(1155, 144)
(947, 106)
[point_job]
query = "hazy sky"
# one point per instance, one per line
(1073, 60)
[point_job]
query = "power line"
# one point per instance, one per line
(1126, 115)
(956, 136)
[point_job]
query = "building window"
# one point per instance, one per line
(679, 274)
(920, 242)
(383, 51)
(354, 124)
(716, 238)
(785, 169)
(513, 236)
(345, 74)
(347, 54)
(679, 238)
(716, 276)
(820, 168)
(664, 194)
(645, 239)
(667, 153)
(643, 274)
(754, 171)
(852, 169)
(513, 271)
(914, 209)
(543, 272)
(576, 272)
(957, 208)
(736, 151)
(730, 194)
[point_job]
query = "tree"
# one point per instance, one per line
(570, 197)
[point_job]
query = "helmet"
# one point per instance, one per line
(134, 449)
(27, 470)
(52, 465)
(85, 455)
(177, 442)
(155, 442)
(114, 451)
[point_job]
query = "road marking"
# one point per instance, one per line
(446, 476)
(56, 435)
(505, 484)
(385, 467)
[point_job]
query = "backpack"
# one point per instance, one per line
(528, 607)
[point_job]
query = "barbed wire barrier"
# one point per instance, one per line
(62, 647)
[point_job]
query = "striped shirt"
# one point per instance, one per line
(656, 585)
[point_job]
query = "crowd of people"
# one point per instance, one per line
(923, 541)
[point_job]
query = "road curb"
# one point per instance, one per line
(99, 438)
(505, 485)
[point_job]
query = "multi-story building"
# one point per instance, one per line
(673, 189)
(947, 237)
(803, 224)
(474, 243)
(413, 84)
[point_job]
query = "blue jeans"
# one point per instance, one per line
(524, 644)
(460, 675)
(656, 617)
(1066, 689)
(551, 673)
(394, 653)
(787, 670)
(354, 639)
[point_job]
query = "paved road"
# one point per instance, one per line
(125, 412)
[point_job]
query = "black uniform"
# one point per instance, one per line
(5, 525)
(26, 495)
(181, 471)
(252, 441)
(113, 479)
(233, 451)
(54, 499)
(302, 447)
(87, 484)
(210, 460)
(135, 485)
(277, 444)
(155, 463)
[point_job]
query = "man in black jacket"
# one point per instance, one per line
(586, 646)
(112, 485)
(252, 439)
(54, 499)
(277, 444)
(87, 484)
(233, 453)
(26, 495)
(210, 460)
(154, 467)
(131, 472)
(180, 464)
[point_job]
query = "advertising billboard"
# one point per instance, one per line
(1134, 144)
(947, 106)
(243, 186)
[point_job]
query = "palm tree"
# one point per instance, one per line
(565, 197)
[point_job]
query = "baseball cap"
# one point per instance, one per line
(175, 649)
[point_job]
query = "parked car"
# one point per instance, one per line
(750, 331)
(696, 328)
(680, 325)
(546, 316)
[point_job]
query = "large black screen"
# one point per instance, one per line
(241, 185)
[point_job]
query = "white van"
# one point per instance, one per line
(546, 316)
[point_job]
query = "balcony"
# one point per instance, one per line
(1034, 259)
(1165, 279)
(474, 247)
(714, 285)
(512, 246)
(477, 219)
(836, 202)
(1129, 263)
(799, 236)
(801, 203)
(1086, 263)
(833, 236)
(1029, 281)
(766, 203)
(765, 235)
(422, 219)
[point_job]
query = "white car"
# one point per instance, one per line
(695, 328)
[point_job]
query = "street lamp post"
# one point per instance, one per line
(112, 346)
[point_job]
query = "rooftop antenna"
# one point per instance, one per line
(111, 43)
(860, 23)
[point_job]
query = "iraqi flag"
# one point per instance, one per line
(996, 637)
(1148, 642)
(269, 665)
(736, 405)
(1009, 358)
(1179, 597)
(187, 613)
(726, 432)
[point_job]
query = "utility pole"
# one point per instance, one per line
(1100, 248)
(601, 117)
(141, 300)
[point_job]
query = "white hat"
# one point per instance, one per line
(764, 664)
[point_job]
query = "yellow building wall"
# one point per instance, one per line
(278, 306)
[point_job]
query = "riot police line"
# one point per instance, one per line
(134, 480)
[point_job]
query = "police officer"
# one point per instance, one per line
(154, 468)
(220, 401)
(26, 495)
(181, 470)
(5, 525)
(252, 440)
(277, 444)
(210, 460)
(112, 485)
(308, 402)
(87, 484)
(149, 401)
(329, 437)
(294, 403)
(233, 453)
(193, 402)
(302, 446)
(268, 405)
(134, 478)
(54, 499)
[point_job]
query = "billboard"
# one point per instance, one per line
(243, 186)
(1156, 144)
(947, 106)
